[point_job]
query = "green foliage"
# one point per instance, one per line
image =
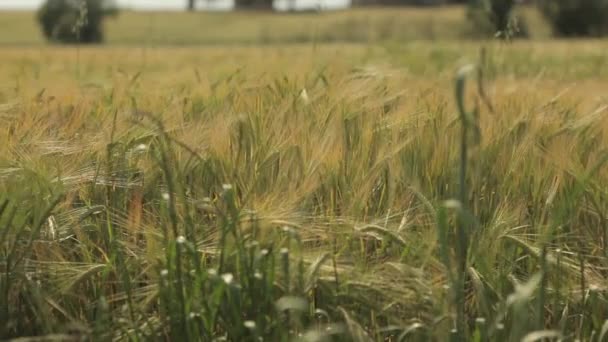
(576, 18)
(495, 17)
(254, 4)
(74, 21)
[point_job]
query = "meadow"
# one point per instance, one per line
(312, 191)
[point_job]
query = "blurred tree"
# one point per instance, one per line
(572, 18)
(500, 13)
(74, 21)
(495, 17)
(191, 5)
(254, 4)
(409, 2)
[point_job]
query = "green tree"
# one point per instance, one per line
(74, 21)
(572, 18)
(254, 4)
(495, 16)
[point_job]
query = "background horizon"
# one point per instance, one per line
(179, 5)
(133, 4)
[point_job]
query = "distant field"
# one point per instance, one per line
(298, 191)
(359, 25)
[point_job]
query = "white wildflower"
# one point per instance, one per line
(228, 278)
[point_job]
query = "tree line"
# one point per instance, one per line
(81, 21)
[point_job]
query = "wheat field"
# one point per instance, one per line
(310, 191)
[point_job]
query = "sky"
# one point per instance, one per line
(180, 4)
